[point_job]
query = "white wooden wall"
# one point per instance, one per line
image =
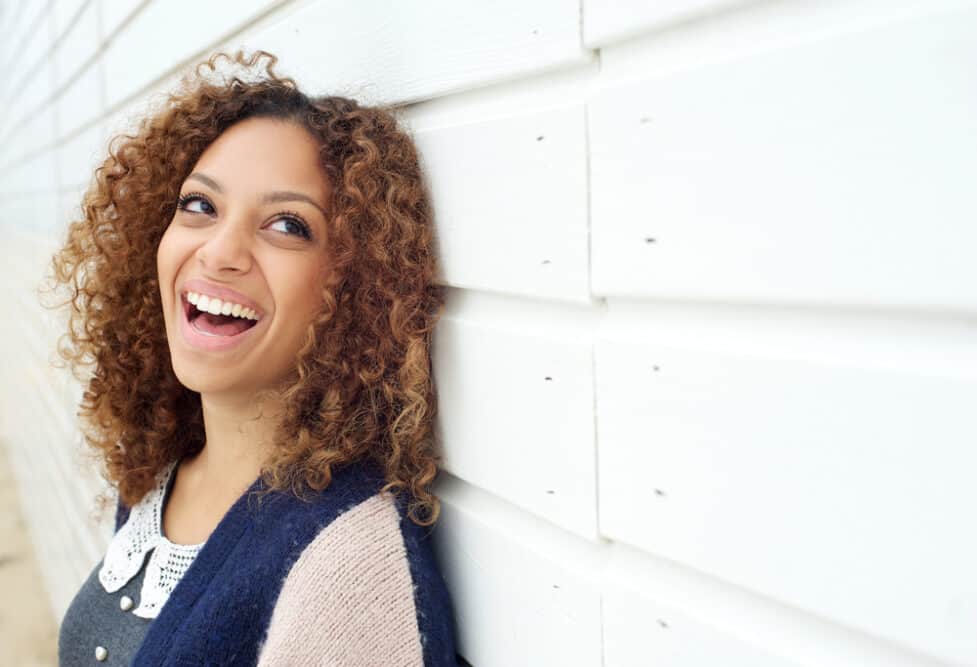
(709, 364)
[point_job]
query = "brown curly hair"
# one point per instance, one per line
(362, 385)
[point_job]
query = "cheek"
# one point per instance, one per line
(313, 293)
(171, 254)
(163, 266)
(302, 301)
(164, 251)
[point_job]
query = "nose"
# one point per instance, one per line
(227, 249)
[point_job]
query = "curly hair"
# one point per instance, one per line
(362, 385)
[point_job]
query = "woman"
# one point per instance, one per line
(253, 284)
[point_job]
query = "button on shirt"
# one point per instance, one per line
(107, 620)
(97, 619)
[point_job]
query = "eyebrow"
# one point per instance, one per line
(270, 198)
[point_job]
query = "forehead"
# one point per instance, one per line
(265, 154)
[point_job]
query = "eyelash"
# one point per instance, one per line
(287, 215)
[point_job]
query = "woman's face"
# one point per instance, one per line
(247, 244)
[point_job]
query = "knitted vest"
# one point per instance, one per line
(221, 611)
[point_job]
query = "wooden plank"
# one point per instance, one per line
(77, 47)
(114, 13)
(31, 37)
(27, 139)
(639, 632)
(384, 52)
(657, 611)
(17, 48)
(31, 94)
(607, 21)
(520, 589)
(825, 464)
(81, 103)
(510, 200)
(515, 394)
(78, 158)
(799, 174)
(191, 28)
(63, 13)
(61, 522)
(33, 175)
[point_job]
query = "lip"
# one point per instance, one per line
(202, 341)
(222, 293)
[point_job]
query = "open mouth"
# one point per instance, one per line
(212, 317)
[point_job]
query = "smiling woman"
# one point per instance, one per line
(230, 244)
(253, 287)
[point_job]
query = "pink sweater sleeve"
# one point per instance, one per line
(349, 599)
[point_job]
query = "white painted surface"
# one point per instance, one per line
(531, 362)
(78, 45)
(495, 559)
(657, 611)
(81, 103)
(408, 51)
(57, 486)
(640, 632)
(791, 176)
(31, 46)
(39, 87)
(67, 16)
(809, 424)
(114, 15)
(25, 142)
(79, 156)
(32, 174)
(511, 206)
(607, 21)
(190, 27)
(783, 457)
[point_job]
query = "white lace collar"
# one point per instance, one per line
(144, 531)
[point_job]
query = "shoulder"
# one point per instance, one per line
(365, 590)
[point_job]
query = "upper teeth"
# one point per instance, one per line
(215, 306)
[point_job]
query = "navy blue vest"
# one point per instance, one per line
(219, 612)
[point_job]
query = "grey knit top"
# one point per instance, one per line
(107, 628)
(97, 619)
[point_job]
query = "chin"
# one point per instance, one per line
(203, 380)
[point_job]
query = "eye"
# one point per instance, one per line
(192, 199)
(291, 225)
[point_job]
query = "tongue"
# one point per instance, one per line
(221, 325)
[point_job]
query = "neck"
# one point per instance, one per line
(239, 434)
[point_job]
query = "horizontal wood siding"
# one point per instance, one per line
(706, 365)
